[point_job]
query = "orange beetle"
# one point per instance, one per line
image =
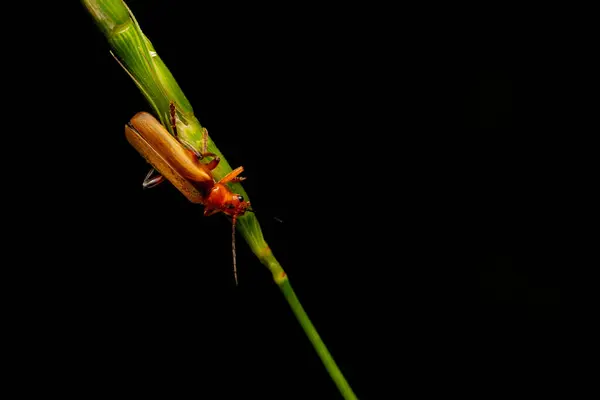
(179, 163)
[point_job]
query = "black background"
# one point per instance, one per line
(385, 141)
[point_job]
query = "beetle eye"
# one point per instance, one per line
(241, 198)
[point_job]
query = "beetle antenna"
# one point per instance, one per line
(233, 249)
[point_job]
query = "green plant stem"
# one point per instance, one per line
(136, 54)
(315, 339)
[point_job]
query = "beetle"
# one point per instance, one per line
(178, 162)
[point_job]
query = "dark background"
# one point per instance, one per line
(385, 141)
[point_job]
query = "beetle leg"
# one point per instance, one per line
(210, 211)
(233, 176)
(150, 182)
(215, 161)
(200, 155)
(212, 164)
(204, 141)
(191, 148)
(173, 117)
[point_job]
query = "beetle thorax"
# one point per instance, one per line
(218, 196)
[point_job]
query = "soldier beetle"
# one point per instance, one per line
(178, 162)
